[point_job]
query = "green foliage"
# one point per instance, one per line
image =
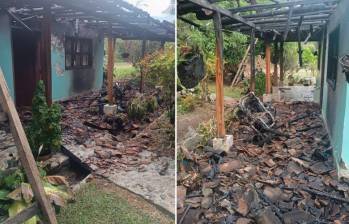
(44, 129)
(151, 104)
(188, 103)
(13, 180)
(16, 194)
(136, 109)
(141, 105)
(159, 69)
(207, 130)
(260, 84)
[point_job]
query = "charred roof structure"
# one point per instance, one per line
(115, 17)
(283, 21)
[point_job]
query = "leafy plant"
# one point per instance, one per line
(159, 69)
(260, 84)
(44, 129)
(151, 104)
(207, 130)
(136, 109)
(16, 194)
(187, 103)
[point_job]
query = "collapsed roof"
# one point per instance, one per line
(111, 17)
(282, 20)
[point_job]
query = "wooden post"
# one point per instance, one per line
(46, 51)
(253, 62)
(25, 154)
(219, 75)
(144, 45)
(267, 68)
(110, 69)
(276, 55)
(282, 68)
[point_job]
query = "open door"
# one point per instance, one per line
(25, 45)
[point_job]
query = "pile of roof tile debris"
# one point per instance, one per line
(280, 169)
(107, 142)
(8, 149)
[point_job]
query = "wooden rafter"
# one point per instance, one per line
(287, 28)
(207, 5)
(280, 5)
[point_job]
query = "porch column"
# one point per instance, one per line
(144, 45)
(276, 61)
(282, 68)
(46, 52)
(110, 69)
(267, 68)
(219, 75)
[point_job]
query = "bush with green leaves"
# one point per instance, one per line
(136, 109)
(16, 193)
(159, 69)
(260, 84)
(44, 130)
(188, 103)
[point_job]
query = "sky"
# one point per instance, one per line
(154, 7)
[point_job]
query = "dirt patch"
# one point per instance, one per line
(193, 119)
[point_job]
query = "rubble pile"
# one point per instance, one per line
(108, 143)
(8, 149)
(288, 178)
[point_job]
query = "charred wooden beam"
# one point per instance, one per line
(279, 20)
(306, 10)
(219, 75)
(282, 68)
(45, 48)
(199, 27)
(299, 42)
(267, 68)
(206, 5)
(287, 28)
(18, 20)
(281, 5)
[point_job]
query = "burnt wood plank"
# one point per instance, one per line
(25, 154)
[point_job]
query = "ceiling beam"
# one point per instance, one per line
(280, 5)
(288, 22)
(207, 5)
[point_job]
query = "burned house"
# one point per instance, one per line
(62, 43)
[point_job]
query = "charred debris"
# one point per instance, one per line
(280, 169)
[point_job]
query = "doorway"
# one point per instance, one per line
(25, 45)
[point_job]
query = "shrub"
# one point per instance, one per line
(136, 109)
(187, 103)
(44, 129)
(260, 84)
(159, 69)
(151, 104)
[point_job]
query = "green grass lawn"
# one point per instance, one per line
(95, 206)
(233, 92)
(125, 70)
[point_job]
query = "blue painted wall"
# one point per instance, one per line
(335, 106)
(6, 62)
(66, 83)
